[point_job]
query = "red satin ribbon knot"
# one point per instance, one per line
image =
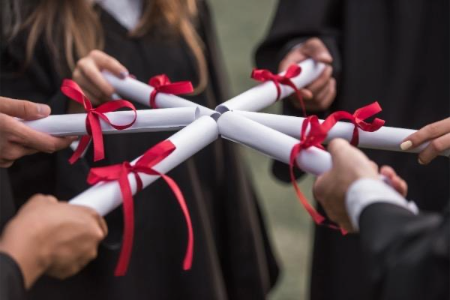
(72, 90)
(144, 165)
(162, 83)
(294, 70)
(314, 138)
(357, 119)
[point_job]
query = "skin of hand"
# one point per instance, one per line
(52, 237)
(320, 94)
(87, 74)
(438, 134)
(349, 165)
(17, 139)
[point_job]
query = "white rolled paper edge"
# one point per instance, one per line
(272, 143)
(147, 120)
(106, 196)
(265, 94)
(386, 138)
(132, 89)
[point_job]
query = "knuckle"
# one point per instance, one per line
(437, 145)
(95, 53)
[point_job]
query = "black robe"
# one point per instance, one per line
(232, 254)
(392, 51)
(409, 255)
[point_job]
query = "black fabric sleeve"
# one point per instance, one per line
(11, 279)
(407, 254)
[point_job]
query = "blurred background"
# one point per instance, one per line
(240, 26)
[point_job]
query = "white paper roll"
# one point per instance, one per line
(106, 196)
(265, 94)
(272, 143)
(386, 138)
(148, 120)
(132, 89)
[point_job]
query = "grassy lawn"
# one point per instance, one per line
(241, 24)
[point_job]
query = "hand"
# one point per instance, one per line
(320, 94)
(349, 165)
(52, 237)
(89, 77)
(438, 134)
(17, 139)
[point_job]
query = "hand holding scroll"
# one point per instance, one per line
(17, 139)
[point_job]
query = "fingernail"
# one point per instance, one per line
(124, 74)
(42, 110)
(420, 161)
(406, 145)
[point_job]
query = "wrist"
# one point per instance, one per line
(30, 258)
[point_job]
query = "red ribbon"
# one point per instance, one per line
(293, 71)
(357, 119)
(162, 83)
(144, 165)
(72, 90)
(314, 138)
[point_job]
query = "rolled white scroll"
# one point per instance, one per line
(270, 142)
(265, 94)
(106, 196)
(386, 138)
(148, 120)
(132, 89)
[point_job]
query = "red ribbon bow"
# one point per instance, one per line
(293, 71)
(72, 90)
(144, 165)
(357, 119)
(162, 83)
(314, 138)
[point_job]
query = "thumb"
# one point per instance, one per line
(317, 50)
(23, 109)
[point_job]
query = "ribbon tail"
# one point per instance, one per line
(355, 137)
(128, 232)
(187, 263)
(97, 138)
(318, 218)
(82, 145)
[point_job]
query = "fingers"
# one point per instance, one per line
(293, 57)
(337, 147)
(322, 81)
(14, 151)
(435, 147)
(23, 109)
(324, 99)
(396, 181)
(426, 133)
(106, 62)
(40, 141)
(90, 70)
(317, 50)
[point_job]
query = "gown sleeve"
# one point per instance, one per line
(408, 254)
(11, 279)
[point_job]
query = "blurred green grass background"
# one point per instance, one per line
(241, 24)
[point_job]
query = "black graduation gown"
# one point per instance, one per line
(402, 249)
(232, 255)
(11, 279)
(392, 51)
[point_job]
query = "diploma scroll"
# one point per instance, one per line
(106, 196)
(386, 138)
(148, 120)
(272, 143)
(265, 94)
(140, 92)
